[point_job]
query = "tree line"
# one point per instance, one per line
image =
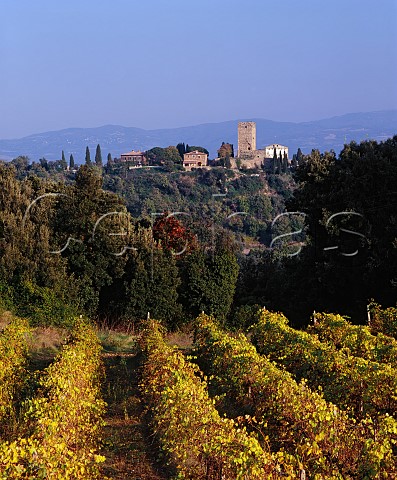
(348, 255)
(108, 245)
(69, 248)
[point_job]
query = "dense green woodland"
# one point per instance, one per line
(116, 243)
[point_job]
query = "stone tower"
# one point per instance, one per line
(246, 138)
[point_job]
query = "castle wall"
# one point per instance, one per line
(246, 138)
(247, 153)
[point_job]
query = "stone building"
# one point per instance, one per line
(136, 158)
(246, 138)
(249, 156)
(195, 159)
(269, 150)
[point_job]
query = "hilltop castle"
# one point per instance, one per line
(249, 156)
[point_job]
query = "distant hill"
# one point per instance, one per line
(330, 133)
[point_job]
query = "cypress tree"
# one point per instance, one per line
(44, 163)
(71, 162)
(274, 162)
(63, 161)
(98, 156)
(278, 165)
(110, 159)
(299, 156)
(87, 156)
(181, 149)
(285, 162)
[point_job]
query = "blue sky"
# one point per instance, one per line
(168, 63)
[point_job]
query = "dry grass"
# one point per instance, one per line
(42, 338)
(183, 340)
(5, 318)
(44, 344)
(47, 338)
(117, 341)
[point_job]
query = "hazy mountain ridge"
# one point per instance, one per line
(326, 134)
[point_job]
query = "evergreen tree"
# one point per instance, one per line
(71, 162)
(278, 166)
(210, 282)
(35, 281)
(110, 159)
(280, 162)
(226, 149)
(87, 156)
(285, 162)
(21, 163)
(98, 156)
(152, 281)
(43, 163)
(63, 162)
(362, 178)
(192, 148)
(181, 149)
(274, 162)
(299, 156)
(89, 255)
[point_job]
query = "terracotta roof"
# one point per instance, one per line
(196, 152)
(133, 153)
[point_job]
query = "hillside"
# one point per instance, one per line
(325, 134)
(236, 239)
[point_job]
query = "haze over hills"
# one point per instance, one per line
(330, 133)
